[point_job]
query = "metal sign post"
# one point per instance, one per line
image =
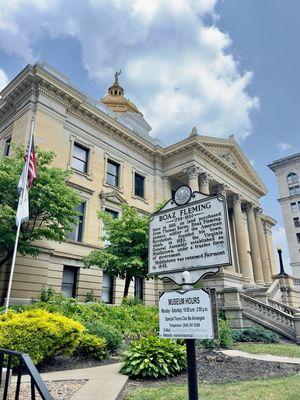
(188, 239)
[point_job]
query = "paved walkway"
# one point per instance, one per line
(104, 383)
(265, 357)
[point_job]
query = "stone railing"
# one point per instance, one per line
(274, 290)
(282, 307)
(268, 316)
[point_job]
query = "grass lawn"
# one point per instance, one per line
(276, 349)
(287, 388)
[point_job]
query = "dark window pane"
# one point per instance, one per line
(292, 178)
(113, 213)
(296, 222)
(107, 288)
(139, 183)
(80, 158)
(294, 190)
(138, 288)
(77, 232)
(6, 147)
(79, 165)
(68, 286)
(113, 173)
(294, 207)
(298, 237)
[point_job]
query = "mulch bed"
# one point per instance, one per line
(60, 390)
(217, 368)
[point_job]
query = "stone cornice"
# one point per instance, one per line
(195, 143)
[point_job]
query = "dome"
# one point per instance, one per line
(115, 99)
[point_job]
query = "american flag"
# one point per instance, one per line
(32, 167)
(27, 177)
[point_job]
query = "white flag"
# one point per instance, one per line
(23, 207)
(23, 180)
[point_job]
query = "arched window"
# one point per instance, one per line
(292, 178)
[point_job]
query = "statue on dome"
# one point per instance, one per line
(117, 76)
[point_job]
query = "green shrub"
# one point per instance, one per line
(90, 297)
(132, 321)
(153, 357)
(47, 294)
(112, 336)
(39, 333)
(254, 334)
(91, 346)
(131, 301)
(224, 341)
(225, 338)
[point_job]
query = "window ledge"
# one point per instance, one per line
(86, 175)
(117, 188)
(143, 199)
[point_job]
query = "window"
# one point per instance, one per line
(107, 288)
(139, 185)
(138, 288)
(294, 207)
(6, 147)
(113, 173)
(77, 232)
(292, 178)
(298, 237)
(112, 213)
(69, 279)
(297, 222)
(80, 158)
(293, 190)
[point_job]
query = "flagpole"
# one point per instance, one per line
(20, 221)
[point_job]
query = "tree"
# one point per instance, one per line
(52, 205)
(126, 254)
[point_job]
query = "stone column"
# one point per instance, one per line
(270, 249)
(262, 245)
(166, 188)
(240, 232)
(223, 190)
(254, 245)
(204, 182)
(193, 174)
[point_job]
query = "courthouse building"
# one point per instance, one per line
(114, 160)
(287, 172)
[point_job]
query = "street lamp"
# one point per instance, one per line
(282, 271)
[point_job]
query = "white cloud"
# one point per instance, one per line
(177, 69)
(282, 146)
(3, 79)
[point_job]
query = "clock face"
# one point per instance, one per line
(182, 195)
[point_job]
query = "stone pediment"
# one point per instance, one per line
(230, 153)
(113, 196)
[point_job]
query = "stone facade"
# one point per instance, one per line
(287, 172)
(114, 137)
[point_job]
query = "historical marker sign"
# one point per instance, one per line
(185, 315)
(189, 237)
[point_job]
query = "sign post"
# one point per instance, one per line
(188, 239)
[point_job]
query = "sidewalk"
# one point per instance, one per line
(264, 357)
(104, 383)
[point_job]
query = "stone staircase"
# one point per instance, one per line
(273, 315)
(243, 310)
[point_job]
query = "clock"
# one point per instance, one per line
(182, 195)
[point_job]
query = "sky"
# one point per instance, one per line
(224, 66)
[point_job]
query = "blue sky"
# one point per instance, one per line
(224, 66)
